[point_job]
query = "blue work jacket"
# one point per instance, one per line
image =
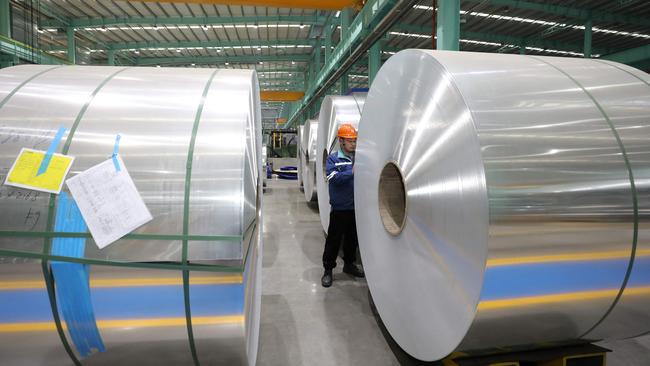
(340, 181)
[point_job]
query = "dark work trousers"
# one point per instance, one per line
(343, 225)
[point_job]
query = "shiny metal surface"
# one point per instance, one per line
(519, 207)
(300, 138)
(334, 111)
(154, 110)
(309, 169)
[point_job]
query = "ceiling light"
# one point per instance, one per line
(337, 14)
(104, 29)
(290, 74)
(302, 25)
(293, 62)
(155, 27)
(193, 64)
(259, 48)
(178, 50)
(137, 52)
(157, 65)
(261, 63)
(205, 26)
(227, 63)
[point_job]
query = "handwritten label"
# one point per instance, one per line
(109, 201)
(23, 173)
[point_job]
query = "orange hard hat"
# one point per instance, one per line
(347, 131)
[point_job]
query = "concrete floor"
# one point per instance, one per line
(304, 324)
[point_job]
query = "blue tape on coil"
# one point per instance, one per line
(50, 151)
(72, 280)
(116, 149)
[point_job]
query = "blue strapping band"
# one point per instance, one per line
(72, 280)
(50, 151)
(116, 149)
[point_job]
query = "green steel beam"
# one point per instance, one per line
(294, 70)
(72, 49)
(219, 59)
(569, 12)
(587, 42)
(631, 56)
(374, 61)
(14, 48)
(135, 21)
(291, 79)
(5, 18)
(448, 25)
(502, 38)
(209, 44)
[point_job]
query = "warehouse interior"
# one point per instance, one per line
(501, 182)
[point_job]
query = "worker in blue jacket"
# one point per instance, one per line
(340, 180)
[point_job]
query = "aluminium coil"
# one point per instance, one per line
(182, 289)
(300, 146)
(503, 201)
(309, 167)
(334, 111)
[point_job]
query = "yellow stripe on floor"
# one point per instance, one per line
(558, 298)
(129, 282)
(126, 323)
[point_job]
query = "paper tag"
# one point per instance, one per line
(23, 172)
(109, 202)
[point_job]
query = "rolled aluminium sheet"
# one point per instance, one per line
(264, 157)
(503, 201)
(309, 169)
(184, 288)
(334, 111)
(300, 139)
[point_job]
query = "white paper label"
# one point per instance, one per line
(108, 201)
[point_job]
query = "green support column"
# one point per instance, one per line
(5, 18)
(344, 84)
(111, 57)
(72, 48)
(587, 45)
(5, 29)
(448, 25)
(522, 48)
(328, 43)
(374, 61)
(346, 19)
(317, 56)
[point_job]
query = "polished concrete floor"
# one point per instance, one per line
(304, 324)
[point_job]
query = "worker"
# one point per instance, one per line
(340, 180)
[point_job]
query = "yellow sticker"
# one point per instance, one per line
(23, 173)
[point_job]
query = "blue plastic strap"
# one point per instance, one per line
(72, 280)
(116, 150)
(50, 151)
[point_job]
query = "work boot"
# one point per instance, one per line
(326, 280)
(353, 270)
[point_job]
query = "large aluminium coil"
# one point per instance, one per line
(503, 201)
(309, 169)
(300, 143)
(181, 289)
(334, 111)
